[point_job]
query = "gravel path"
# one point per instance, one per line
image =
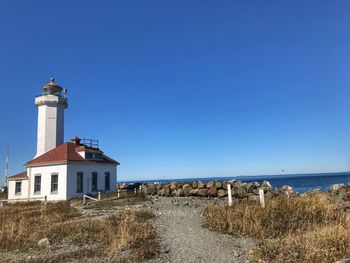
(183, 239)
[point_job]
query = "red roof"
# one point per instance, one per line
(64, 153)
(19, 176)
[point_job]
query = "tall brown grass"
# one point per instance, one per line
(301, 229)
(22, 225)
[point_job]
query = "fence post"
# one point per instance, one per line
(118, 193)
(84, 200)
(262, 198)
(229, 193)
(45, 199)
(99, 196)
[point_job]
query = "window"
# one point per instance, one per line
(18, 188)
(93, 156)
(37, 184)
(54, 183)
(94, 181)
(80, 176)
(107, 180)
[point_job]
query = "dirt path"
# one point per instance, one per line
(183, 239)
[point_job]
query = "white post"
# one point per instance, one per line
(1, 203)
(229, 193)
(99, 196)
(262, 197)
(118, 193)
(84, 200)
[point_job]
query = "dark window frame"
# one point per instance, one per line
(37, 185)
(18, 192)
(80, 182)
(107, 181)
(94, 181)
(54, 185)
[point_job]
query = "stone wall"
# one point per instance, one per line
(240, 190)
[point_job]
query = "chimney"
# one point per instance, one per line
(76, 140)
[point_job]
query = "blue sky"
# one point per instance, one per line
(176, 89)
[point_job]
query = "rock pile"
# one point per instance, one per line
(240, 190)
(340, 190)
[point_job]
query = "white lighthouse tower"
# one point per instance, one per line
(51, 105)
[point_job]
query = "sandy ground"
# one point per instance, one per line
(183, 239)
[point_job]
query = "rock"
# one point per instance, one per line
(194, 184)
(186, 186)
(201, 185)
(210, 184)
(287, 190)
(266, 185)
(202, 192)
(150, 189)
(222, 193)
(193, 191)
(334, 188)
(218, 185)
(179, 192)
(241, 193)
(347, 260)
(252, 186)
(44, 242)
(224, 185)
(165, 192)
(187, 191)
(213, 192)
(173, 186)
(123, 186)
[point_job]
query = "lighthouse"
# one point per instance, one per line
(51, 105)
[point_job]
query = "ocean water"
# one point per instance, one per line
(300, 182)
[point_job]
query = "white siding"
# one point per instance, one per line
(11, 190)
(67, 181)
(46, 172)
(87, 169)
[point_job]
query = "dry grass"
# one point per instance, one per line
(134, 232)
(3, 195)
(22, 225)
(302, 229)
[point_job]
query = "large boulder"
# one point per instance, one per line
(222, 193)
(149, 189)
(44, 242)
(186, 186)
(201, 185)
(202, 192)
(187, 191)
(218, 185)
(210, 184)
(179, 192)
(266, 186)
(240, 193)
(173, 186)
(193, 191)
(165, 192)
(334, 188)
(213, 192)
(194, 184)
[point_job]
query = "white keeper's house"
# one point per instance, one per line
(61, 171)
